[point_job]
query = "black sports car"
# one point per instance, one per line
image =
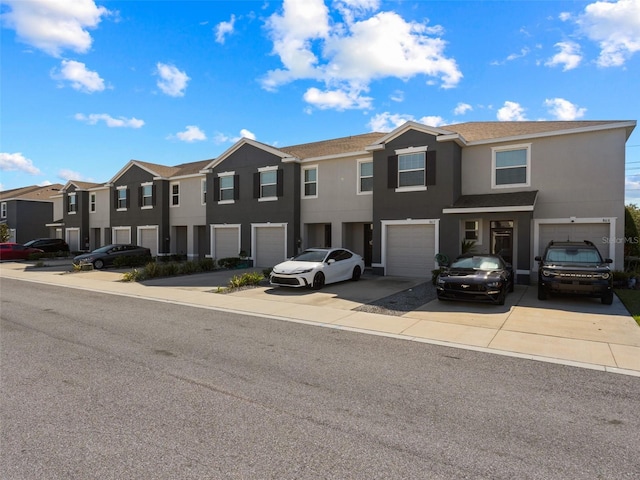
(476, 278)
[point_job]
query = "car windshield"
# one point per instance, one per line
(30, 243)
(311, 256)
(103, 249)
(477, 263)
(573, 255)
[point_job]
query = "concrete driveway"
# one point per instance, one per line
(574, 331)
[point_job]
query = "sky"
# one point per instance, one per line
(88, 85)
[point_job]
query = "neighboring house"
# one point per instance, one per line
(27, 210)
(509, 186)
(84, 215)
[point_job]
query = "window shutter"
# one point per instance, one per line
(140, 196)
(392, 176)
(431, 167)
(128, 198)
(216, 189)
(153, 195)
(280, 185)
(115, 199)
(256, 185)
(236, 187)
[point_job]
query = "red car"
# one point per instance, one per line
(15, 251)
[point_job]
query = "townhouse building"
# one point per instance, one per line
(404, 200)
(26, 211)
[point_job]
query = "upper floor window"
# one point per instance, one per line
(122, 198)
(72, 205)
(511, 166)
(175, 195)
(310, 182)
(365, 176)
(203, 191)
(146, 195)
(3, 210)
(92, 202)
(267, 184)
(226, 188)
(412, 169)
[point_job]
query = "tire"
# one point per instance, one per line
(98, 264)
(356, 273)
(512, 285)
(318, 281)
(542, 293)
(501, 297)
(607, 298)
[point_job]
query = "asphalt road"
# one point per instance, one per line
(98, 386)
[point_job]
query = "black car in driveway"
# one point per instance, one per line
(50, 245)
(107, 255)
(574, 268)
(481, 277)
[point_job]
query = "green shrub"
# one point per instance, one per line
(207, 264)
(229, 262)
(267, 272)
(132, 261)
(134, 275)
(250, 278)
(35, 256)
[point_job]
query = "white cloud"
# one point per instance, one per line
(54, 25)
(80, 78)
(244, 133)
(110, 121)
(191, 134)
(172, 81)
(616, 28)
(66, 175)
(397, 96)
(511, 111)
(462, 108)
(563, 109)
(16, 162)
(569, 56)
(348, 56)
(45, 183)
(224, 28)
(220, 137)
(514, 56)
(632, 188)
(386, 122)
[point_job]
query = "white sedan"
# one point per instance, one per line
(316, 267)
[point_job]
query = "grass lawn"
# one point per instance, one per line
(631, 300)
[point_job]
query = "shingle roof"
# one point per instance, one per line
(191, 168)
(336, 146)
(493, 200)
(475, 131)
(33, 192)
(86, 185)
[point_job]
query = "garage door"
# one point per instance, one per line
(594, 232)
(410, 250)
(270, 246)
(149, 239)
(121, 235)
(226, 242)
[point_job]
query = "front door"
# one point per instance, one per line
(368, 244)
(502, 239)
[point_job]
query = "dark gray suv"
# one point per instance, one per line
(51, 245)
(574, 268)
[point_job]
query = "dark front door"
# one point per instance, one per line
(502, 239)
(368, 244)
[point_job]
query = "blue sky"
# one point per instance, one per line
(87, 85)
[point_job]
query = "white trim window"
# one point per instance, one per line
(72, 204)
(411, 170)
(227, 184)
(122, 200)
(203, 191)
(268, 183)
(3, 210)
(365, 176)
(310, 182)
(471, 231)
(511, 166)
(92, 202)
(146, 192)
(174, 194)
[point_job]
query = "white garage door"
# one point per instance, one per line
(410, 250)
(149, 239)
(226, 242)
(121, 235)
(270, 246)
(575, 232)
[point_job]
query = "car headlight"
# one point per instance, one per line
(606, 275)
(546, 273)
(494, 284)
(440, 281)
(302, 270)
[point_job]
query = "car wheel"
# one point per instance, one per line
(318, 281)
(501, 297)
(607, 298)
(356, 274)
(512, 285)
(542, 293)
(98, 264)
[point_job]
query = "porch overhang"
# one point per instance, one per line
(494, 203)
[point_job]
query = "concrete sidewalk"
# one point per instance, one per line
(576, 332)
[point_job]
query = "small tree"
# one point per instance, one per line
(631, 229)
(5, 232)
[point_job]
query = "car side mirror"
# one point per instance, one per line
(509, 266)
(608, 260)
(538, 258)
(330, 261)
